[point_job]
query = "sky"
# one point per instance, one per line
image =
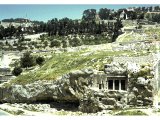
(47, 12)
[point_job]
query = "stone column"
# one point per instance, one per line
(119, 84)
(107, 84)
(113, 84)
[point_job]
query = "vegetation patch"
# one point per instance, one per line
(63, 63)
(131, 112)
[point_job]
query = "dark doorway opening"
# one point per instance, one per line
(123, 85)
(116, 84)
(110, 84)
(100, 86)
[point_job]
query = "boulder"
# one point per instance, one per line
(115, 68)
(132, 68)
(135, 90)
(109, 101)
(141, 81)
(131, 98)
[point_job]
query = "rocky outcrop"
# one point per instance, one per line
(103, 100)
(140, 89)
(68, 88)
(115, 69)
(82, 87)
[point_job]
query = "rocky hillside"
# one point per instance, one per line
(66, 74)
(62, 62)
(76, 88)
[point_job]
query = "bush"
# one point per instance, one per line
(27, 60)
(45, 44)
(64, 43)
(75, 42)
(39, 60)
(17, 71)
(55, 43)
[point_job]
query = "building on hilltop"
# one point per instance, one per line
(123, 15)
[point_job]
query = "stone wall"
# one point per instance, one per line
(150, 59)
(5, 78)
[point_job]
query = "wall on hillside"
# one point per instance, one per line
(150, 59)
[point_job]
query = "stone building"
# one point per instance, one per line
(123, 15)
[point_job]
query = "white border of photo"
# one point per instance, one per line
(79, 2)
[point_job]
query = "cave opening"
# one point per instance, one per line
(59, 104)
(65, 105)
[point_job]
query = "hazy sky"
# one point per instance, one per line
(47, 12)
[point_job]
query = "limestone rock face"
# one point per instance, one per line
(115, 68)
(68, 88)
(89, 104)
(141, 81)
(140, 90)
(95, 101)
(132, 68)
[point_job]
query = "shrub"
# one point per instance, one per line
(64, 43)
(45, 44)
(27, 60)
(39, 60)
(17, 71)
(75, 42)
(55, 43)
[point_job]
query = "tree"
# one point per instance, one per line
(156, 18)
(39, 60)
(89, 14)
(140, 16)
(19, 32)
(6, 42)
(118, 24)
(157, 8)
(148, 16)
(117, 29)
(1, 32)
(27, 60)
(104, 13)
(17, 71)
